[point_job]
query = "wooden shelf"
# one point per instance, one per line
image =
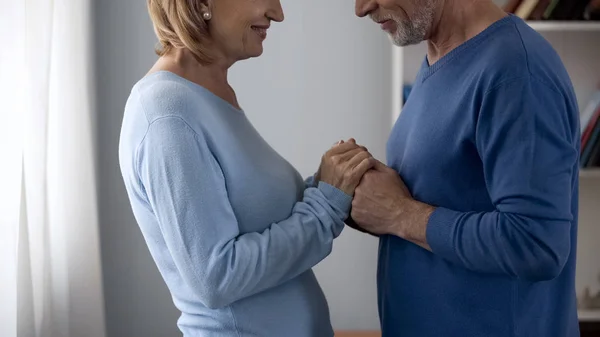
(589, 173)
(565, 26)
(589, 315)
(357, 334)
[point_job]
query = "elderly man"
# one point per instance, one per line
(477, 211)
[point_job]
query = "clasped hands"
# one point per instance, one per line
(381, 201)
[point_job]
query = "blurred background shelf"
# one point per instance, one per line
(565, 26)
(589, 173)
(357, 334)
(589, 315)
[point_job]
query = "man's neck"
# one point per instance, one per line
(458, 21)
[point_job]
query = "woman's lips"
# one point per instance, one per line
(261, 31)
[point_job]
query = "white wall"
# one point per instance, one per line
(324, 76)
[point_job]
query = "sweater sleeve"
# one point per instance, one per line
(529, 152)
(186, 190)
(310, 182)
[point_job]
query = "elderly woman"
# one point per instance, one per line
(232, 227)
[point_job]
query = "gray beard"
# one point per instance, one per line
(413, 31)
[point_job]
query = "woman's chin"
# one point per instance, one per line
(250, 51)
(256, 51)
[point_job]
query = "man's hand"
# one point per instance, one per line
(383, 205)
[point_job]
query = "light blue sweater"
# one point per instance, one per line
(231, 225)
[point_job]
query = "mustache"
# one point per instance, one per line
(380, 17)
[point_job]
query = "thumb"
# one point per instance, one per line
(379, 166)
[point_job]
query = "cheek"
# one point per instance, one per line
(389, 4)
(244, 37)
(399, 10)
(395, 7)
(232, 36)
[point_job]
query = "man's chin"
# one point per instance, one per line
(403, 42)
(398, 42)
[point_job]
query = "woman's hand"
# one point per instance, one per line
(344, 165)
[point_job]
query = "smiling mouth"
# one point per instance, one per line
(261, 31)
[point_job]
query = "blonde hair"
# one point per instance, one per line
(179, 24)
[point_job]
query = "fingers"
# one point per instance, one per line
(349, 155)
(353, 170)
(379, 166)
(352, 224)
(366, 164)
(341, 148)
(359, 156)
(339, 165)
(358, 166)
(351, 140)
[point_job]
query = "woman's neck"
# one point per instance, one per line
(213, 76)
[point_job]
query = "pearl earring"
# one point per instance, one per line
(207, 16)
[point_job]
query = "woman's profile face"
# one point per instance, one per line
(239, 27)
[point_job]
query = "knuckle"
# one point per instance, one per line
(347, 174)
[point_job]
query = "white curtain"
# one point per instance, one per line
(50, 276)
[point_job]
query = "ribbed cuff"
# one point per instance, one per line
(440, 230)
(336, 197)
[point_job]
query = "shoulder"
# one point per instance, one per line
(519, 53)
(162, 95)
(173, 109)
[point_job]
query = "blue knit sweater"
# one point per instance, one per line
(231, 225)
(490, 135)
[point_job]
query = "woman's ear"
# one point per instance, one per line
(206, 9)
(206, 5)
